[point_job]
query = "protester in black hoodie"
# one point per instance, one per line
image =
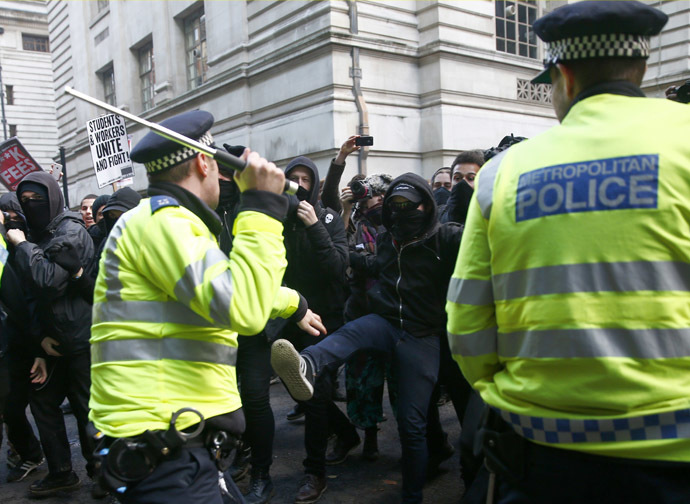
(19, 341)
(413, 264)
(65, 319)
(97, 231)
(317, 255)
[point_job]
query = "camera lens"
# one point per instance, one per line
(359, 189)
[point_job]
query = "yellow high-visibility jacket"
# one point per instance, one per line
(569, 308)
(168, 306)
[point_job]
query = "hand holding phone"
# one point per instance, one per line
(56, 171)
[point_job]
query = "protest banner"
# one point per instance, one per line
(109, 149)
(15, 163)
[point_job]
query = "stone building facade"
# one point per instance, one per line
(27, 79)
(425, 78)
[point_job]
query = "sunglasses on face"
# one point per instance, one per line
(402, 206)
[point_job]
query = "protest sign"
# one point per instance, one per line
(109, 149)
(15, 163)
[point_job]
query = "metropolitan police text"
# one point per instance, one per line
(601, 184)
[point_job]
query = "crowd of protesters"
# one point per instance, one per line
(331, 236)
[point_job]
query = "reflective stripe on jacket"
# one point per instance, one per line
(168, 305)
(569, 307)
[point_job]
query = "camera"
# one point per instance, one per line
(363, 141)
(360, 190)
(682, 92)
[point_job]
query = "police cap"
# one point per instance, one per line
(158, 153)
(586, 30)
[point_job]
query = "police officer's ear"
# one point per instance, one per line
(202, 165)
(566, 78)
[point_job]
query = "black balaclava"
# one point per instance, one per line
(40, 213)
(10, 203)
(312, 195)
(407, 225)
(37, 212)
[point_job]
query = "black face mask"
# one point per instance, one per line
(374, 215)
(102, 226)
(407, 225)
(302, 194)
(229, 193)
(295, 199)
(441, 195)
(37, 213)
(17, 224)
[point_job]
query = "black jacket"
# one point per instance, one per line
(413, 278)
(63, 313)
(317, 255)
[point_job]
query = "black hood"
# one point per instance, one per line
(123, 199)
(430, 221)
(56, 204)
(309, 165)
(9, 202)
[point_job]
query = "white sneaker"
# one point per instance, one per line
(293, 370)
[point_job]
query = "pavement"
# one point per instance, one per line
(354, 481)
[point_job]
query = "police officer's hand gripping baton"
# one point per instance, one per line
(227, 163)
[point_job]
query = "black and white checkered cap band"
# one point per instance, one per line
(608, 45)
(177, 157)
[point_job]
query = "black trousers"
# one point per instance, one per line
(456, 385)
(568, 477)
(190, 478)
(70, 377)
(254, 371)
(19, 430)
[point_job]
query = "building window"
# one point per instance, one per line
(13, 130)
(108, 79)
(9, 94)
(35, 43)
(536, 93)
(101, 36)
(147, 75)
(195, 45)
(514, 32)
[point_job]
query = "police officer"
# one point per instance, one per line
(168, 306)
(568, 305)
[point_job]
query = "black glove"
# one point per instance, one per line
(65, 255)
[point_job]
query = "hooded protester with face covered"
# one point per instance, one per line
(20, 364)
(65, 320)
(414, 261)
(97, 231)
(317, 254)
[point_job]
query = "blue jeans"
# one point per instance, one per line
(417, 363)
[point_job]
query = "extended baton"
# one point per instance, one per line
(227, 163)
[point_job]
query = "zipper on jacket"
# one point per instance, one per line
(397, 285)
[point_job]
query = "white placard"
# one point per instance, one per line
(109, 149)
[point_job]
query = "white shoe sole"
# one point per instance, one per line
(286, 362)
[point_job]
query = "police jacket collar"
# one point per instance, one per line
(190, 202)
(623, 88)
